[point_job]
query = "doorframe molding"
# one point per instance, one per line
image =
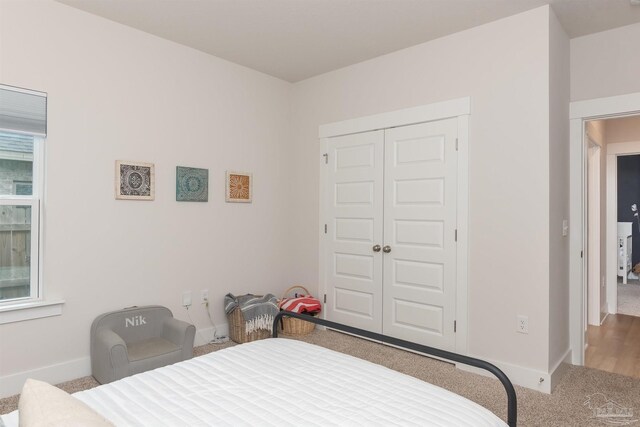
(579, 113)
(594, 157)
(408, 116)
(611, 236)
(459, 108)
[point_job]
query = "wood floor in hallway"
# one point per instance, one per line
(615, 345)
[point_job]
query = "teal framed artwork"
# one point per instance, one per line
(192, 184)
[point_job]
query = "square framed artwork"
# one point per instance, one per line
(192, 184)
(135, 180)
(239, 187)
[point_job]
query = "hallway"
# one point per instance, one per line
(615, 346)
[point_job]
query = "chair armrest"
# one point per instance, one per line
(180, 333)
(111, 358)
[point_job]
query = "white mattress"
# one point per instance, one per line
(279, 382)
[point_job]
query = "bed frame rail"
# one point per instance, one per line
(512, 405)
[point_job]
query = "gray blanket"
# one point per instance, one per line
(258, 312)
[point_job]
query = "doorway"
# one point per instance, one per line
(628, 227)
(610, 224)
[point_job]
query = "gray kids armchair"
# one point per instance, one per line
(137, 339)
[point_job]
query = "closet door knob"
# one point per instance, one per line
(386, 249)
(376, 248)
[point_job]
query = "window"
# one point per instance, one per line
(20, 185)
(23, 188)
(23, 128)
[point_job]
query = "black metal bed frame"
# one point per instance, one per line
(512, 405)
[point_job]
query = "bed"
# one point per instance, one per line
(279, 382)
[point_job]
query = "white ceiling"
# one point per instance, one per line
(298, 39)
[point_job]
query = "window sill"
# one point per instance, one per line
(29, 310)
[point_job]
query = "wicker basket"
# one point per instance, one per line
(238, 332)
(293, 326)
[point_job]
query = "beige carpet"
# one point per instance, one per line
(629, 298)
(565, 407)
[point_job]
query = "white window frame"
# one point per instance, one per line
(34, 277)
(35, 305)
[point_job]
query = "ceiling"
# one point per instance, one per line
(297, 39)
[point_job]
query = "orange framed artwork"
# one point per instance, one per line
(239, 187)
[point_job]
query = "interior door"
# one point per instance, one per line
(420, 233)
(354, 226)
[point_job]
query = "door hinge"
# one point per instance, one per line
(455, 326)
(456, 235)
(326, 158)
(325, 298)
(325, 229)
(581, 254)
(456, 144)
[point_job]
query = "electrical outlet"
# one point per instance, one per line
(523, 324)
(186, 299)
(205, 295)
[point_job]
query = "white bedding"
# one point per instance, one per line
(278, 382)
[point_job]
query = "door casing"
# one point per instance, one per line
(593, 219)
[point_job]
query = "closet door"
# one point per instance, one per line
(419, 232)
(354, 228)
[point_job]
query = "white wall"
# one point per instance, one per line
(625, 129)
(605, 64)
(504, 67)
(118, 93)
(597, 130)
(558, 192)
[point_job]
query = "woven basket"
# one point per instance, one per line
(238, 332)
(293, 326)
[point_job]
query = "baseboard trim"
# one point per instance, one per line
(53, 374)
(519, 375)
(66, 371)
(205, 335)
(560, 368)
(533, 379)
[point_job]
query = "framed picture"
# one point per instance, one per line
(239, 187)
(192, 184)
(135, 180)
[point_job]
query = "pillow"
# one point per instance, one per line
(44, 405)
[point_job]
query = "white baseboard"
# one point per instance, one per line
(53, 374)
(205, 335)
(519, 375)
(66, 371)
(560, 368)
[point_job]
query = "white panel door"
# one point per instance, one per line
(354, 208)
(419, 230)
